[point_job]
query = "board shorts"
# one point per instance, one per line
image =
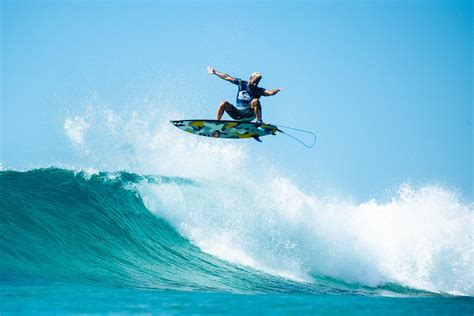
(246, 114)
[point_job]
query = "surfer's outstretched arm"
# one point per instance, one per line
(221, 75)
(268, 93)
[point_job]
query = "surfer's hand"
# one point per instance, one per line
(268, 93)
(211, 70)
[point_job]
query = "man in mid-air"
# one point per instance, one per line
(248, 104)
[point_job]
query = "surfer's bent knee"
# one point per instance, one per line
(255, 103)
(224, 104)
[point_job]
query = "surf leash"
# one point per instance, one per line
(296, 138)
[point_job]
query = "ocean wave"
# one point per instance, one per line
(70, 226)
(75, 227)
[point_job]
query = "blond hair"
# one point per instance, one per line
(256, 74)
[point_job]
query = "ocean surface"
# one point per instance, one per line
(119, 242)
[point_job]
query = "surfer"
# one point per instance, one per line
(248, 105)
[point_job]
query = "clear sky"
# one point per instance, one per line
(386, 85)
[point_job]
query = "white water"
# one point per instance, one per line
(422, 238)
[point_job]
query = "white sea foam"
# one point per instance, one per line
(422, 238)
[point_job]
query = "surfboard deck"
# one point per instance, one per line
(226, 129)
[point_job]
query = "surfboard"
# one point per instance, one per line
(226, 129)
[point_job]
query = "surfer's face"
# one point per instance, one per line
(253, 81)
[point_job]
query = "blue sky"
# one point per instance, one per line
(386, 85)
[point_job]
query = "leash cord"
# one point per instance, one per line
(296, 138)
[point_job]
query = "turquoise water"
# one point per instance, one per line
(67, 298)
(111, 242)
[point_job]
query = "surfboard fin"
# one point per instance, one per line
(257, 139)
